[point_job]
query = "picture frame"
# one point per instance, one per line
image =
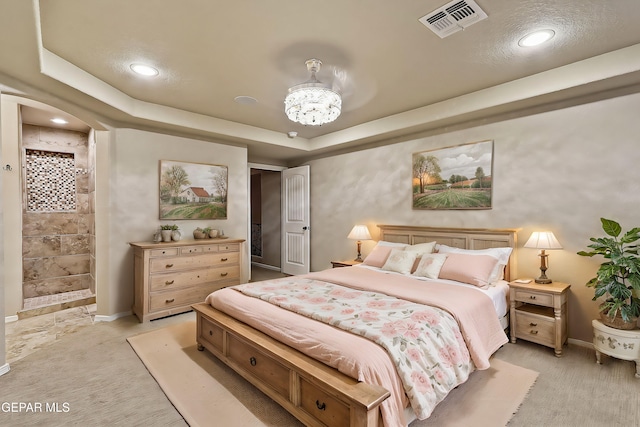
(193, 190)
(458, 177)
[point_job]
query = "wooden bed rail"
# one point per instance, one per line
(314, 393)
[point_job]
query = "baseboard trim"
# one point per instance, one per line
(102, 318)
(10, 319)
(580, 343)
(4, 369)
(266, 266)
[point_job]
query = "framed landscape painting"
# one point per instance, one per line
(193, 190)
(457, 177)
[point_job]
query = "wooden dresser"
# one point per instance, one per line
(170, 277)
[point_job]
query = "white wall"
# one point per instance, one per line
(560, 171)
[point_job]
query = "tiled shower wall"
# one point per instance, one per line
(57, 226)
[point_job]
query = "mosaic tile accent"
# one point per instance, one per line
(51, 181)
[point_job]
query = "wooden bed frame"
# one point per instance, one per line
(314, 393)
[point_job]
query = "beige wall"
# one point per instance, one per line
(134, 200)
(560, 171)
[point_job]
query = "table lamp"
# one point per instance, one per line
(359, 232)
(543, 240)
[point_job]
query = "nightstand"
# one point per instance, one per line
(349, 263)
(539, 313)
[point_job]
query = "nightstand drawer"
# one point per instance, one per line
(532, 297)
(535, 327)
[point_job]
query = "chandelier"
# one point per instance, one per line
(311, 102)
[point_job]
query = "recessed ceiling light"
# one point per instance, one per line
(246, 100)
(536, 38)
(59, 121)
(144, 70)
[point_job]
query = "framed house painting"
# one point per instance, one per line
(457, 177)
(193, 190)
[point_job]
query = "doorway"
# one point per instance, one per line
(266, 217)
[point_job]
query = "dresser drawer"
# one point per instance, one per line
(163, 252)
(181, 297)
(532, 297)
(202, 249)
(259, 365)
(535, 327)
(211, 333)
(160, 265)
(183, 279)
(323, 406)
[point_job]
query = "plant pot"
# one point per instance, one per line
(166, 235)
(175, 235)
(199, 235)
(618, 322)
(213, 234)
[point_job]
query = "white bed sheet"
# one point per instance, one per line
(498, 291)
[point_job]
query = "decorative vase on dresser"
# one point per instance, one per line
(170, 277)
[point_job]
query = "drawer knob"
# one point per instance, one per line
(533, 324)
(253, 361)
(534, 332)
(169, 265)
(532, 297)
(210, 332)
(169, 282)
(223, 274)
(321, 406)
(224, 259)
(170, 300)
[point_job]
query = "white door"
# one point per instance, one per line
(296, 234)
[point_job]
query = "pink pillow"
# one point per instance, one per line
(378, 256)
(472, 269)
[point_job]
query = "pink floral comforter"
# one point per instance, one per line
(424, 342)
(361, 358)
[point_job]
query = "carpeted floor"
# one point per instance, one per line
(487, 399)
(96, 372)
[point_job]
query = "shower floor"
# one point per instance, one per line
(51, 303)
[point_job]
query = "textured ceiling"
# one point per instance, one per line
(397, 77)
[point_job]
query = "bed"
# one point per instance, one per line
(298, 341)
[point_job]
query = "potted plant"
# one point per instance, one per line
(175, 233)
(166, 230)
(199, 233)
(618, 278)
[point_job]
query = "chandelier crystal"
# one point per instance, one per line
(311, 102)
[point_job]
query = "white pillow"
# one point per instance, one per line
(501, 254)
(399, 261)
(421, 248)
(430, 265)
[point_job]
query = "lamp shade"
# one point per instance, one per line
(359, 232)
(543, 240)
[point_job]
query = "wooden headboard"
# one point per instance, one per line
(463, 238)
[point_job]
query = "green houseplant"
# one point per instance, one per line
(618, 278)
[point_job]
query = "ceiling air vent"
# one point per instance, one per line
(453, 17)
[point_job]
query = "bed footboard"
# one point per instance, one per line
(314, 393)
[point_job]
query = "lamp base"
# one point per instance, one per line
(543, 280)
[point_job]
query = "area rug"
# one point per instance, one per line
(206, 392)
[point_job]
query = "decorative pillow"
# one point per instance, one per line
(399, 261)
(430, 265)
(419, 250)
(378, 256)
(472, 269)
(501, 254)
